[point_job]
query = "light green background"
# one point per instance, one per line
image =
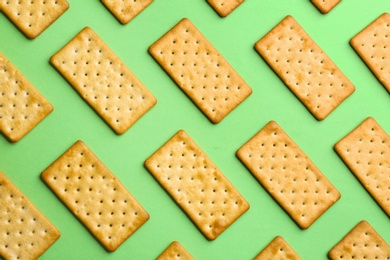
(234, 36)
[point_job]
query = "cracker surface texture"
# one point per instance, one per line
(175, 251)
(103, 80)
(95, 196)
(197, 185)
(126, 10)
(224, 7)
(278, 249)
(33, 17)
(22, 107)
(288, 175)
(304, 67)
(362, 242)
(372, 45)
(366, 152)
(200, 70)
(25, 233)
(325, 6)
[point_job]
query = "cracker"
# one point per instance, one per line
(224, 7)
(126, 10)
(22, 107)
(362, 242)
(305, 69)
(175, 251)
(372, 45)
(103, 80)
(197, 185)
(325, 6)
(366, 151)
(25, 233)
(95, 196)
(33, 17)
(278, 249)
(288, 174)
(200, 70)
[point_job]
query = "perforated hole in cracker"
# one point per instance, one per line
(278, 248)
(196, 185)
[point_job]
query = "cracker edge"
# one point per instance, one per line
(324, 10)
(174, 243)
(122, 20)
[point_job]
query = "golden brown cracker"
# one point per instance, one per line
(304, 67)
(175, 251)
(366, 151)
(278, 249)
(126, 10)
(25, 233)
(362, 242)
(288, 174)
(197, 185)
(200, 70)
(103, 80)
(95, 196)
(22, 107)
(325, 6)
(372, 45)
(224, 7)
(32, 17)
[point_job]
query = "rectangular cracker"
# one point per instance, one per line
(197, 185)
(25, 233)
(22, 107)
(278, 249)
(200, 70)
(366, 152)
(126, 10)
(224, 7)
(372, 45)
(325, 6)
(33, 17)
(103, 80)
(95, 196)
(362, 242)
(288, 174)
(304, 67)
(175, 251)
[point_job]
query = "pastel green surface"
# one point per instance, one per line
(234, 36)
